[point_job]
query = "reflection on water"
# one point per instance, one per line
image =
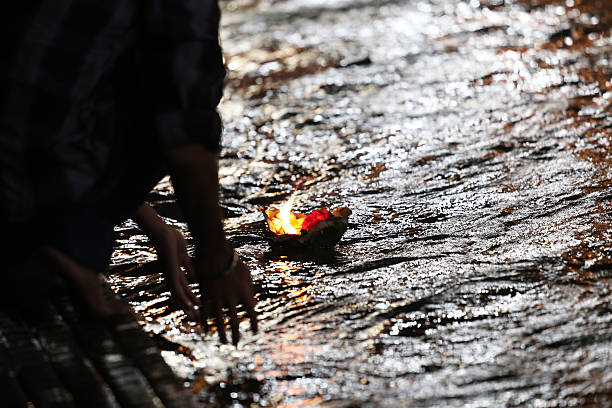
(472, 142)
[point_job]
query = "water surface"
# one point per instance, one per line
(472, 141)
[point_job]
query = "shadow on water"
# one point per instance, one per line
(325, 256)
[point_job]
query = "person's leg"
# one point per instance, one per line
(75, 248)
(26, 279)
(85, 282)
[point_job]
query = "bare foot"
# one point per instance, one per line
(86, 282)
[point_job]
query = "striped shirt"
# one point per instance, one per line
(80, 78)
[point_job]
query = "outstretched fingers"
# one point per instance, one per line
(212, 309)
(184, 296)
(221, 298)
(249, 306)
(205, 314)
(188, 292)
(220, 322)
(188, 265)
(233, 320)
(246, 295)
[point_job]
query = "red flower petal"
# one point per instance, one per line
(314, 218)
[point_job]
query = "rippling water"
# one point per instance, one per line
(472, 141)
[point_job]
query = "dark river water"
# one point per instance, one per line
(473, 143)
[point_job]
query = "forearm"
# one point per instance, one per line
(150, 222)
(194, 172)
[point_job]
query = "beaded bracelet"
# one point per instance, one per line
(223, 273)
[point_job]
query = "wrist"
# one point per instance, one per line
(214, 255)
(215, 259)
(225, 271)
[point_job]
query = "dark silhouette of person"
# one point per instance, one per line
(99, 100)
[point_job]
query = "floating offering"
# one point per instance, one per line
(319, 229)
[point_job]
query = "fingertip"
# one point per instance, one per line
(188, 265)
(252, 317)
(220, 323)
(196, 313)
(194, 299)
(204, 315)
(234, 324)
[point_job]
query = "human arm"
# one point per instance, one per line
(182, 74)
(172, 253)
(194, 173)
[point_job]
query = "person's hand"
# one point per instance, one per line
(172, 253)
(173, 257)
(227, 292)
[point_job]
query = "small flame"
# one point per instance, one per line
(285, 216)
(283, 221)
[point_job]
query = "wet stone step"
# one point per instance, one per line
(10, 390)
(32, 366)
(127, 382)
(146, 355)
(75, 370)
(55, 355)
